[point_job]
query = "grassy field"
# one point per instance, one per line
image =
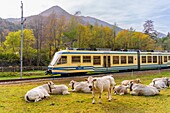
(26, 74)
(12, 99)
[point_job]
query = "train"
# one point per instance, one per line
(68, 62)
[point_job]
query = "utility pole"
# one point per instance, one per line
(21, 41)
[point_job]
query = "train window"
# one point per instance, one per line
(96, 60)
(149, 59)
(130, 59)
(76, 59)
(86, 59)
(154, 59)
(165, 59)
(115, 59)
(63, 60)
(123, 59)
(168, 57)
(143, 59)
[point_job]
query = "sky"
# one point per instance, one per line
(125, 13)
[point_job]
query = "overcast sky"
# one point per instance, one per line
(126, 13)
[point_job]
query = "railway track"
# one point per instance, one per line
(115, 74)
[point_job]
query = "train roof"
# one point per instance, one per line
(106, 52)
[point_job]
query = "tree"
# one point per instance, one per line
(134, 40)
(149, 29)
(38, 26)
(71, 32)
(12, 45)
(50, 34)
(29, 53)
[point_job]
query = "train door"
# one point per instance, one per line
(160, 60)
(106, 62)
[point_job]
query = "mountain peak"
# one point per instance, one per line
(56, 10)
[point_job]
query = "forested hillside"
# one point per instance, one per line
(44, 35)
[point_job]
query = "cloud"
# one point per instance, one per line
(126, 13)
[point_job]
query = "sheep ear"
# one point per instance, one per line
(131, 82)
(94, 79)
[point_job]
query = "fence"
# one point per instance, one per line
(25, 68)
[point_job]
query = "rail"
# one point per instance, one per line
(25, 68)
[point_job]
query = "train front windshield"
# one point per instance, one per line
(55, 58)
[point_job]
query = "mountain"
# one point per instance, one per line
(161, 35)
(60, 13)
(56, 10)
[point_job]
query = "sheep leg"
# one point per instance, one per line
(66, 93)
(38, 99)
(93, 101)
(100, 96)
(133, 93)
(110, 94)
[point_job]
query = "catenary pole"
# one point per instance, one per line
(21, 40)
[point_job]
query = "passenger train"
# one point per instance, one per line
(67, 62)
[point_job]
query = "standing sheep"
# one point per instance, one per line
(100, 84)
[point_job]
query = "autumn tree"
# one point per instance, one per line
(71, 33)
(12, 45)
(50, 33)
(38, 28)
(29, 53)
(134, 40)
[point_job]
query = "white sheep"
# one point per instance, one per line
(38, 93)
(80, 86)
(120, 89)
(100, 84)
(140, 89)
(159, 84)
(60, 89)
(126, 82)
(166, 80)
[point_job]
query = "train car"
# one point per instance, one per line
(83, 61)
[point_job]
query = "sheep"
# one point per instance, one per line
(166, 80)
(160, 83)
(126, 82)
(38, 93)
(80, 86)
(60, 89)
(140, 89)
(100, 84)
(121, 90)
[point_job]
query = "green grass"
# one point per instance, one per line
(12, 99)
(26, 74)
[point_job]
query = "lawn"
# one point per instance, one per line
(12, 99)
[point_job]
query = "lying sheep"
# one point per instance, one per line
(80, 86)
(140, 89)
(166, 80)
(126, 82)
(38, 93)
(60, 89)
(160, 83)
(121, 90)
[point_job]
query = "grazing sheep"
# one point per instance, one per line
(38, 93)
(100, 84)
(60, 89)
(126, 82)
(80, 86)
(140, 89)
(121, 90)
